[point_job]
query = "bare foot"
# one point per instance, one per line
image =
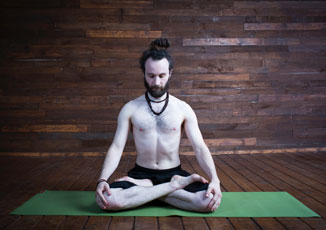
(180, 182)
(140, 182)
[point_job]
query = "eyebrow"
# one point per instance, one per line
(155, 74)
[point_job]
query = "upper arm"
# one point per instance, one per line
(192, 129)
(123, 127)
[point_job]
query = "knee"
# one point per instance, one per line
(115, 203)
(202, 203)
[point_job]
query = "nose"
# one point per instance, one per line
(157, 81)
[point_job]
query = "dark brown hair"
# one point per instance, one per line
(157, 51)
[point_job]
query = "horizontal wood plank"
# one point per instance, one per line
(239, 41)
(285, 26)
(122, 34)
(45, 128)
(116, 4)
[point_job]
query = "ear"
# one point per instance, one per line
(171, 72)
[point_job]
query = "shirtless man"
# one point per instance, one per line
(156, 121)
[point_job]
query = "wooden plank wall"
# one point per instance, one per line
(254, 71)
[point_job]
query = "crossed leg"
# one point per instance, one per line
(196, 202)
(171, 192)
(139, 182)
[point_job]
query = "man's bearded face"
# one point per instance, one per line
(156, 91)
(157, 76)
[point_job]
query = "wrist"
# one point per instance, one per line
(215, 180)
(101, 180)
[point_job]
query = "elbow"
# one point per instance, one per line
(197, 150)
(201, 149)
(115, 149)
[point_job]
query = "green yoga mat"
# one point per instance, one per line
(234, 204)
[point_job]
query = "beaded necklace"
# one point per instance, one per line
(150, 106)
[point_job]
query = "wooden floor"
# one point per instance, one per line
(300, 174)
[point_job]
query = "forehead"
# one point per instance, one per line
(156, 66)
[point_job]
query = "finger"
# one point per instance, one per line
(216, 196)
(108, 190)
(213, 200)
(211, 203)
(100, 203)
(218, 202)
(101, 191)
(104, 201)
(209, 190)
(213, 207)
(216, 205)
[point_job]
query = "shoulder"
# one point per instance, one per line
(183, 106)
(130, 107)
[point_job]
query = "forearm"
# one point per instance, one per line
(111, 162)
(206, 162)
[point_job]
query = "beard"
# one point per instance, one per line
(156, 91)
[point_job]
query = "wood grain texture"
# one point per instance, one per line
(24, 177)
(285, 26)
(116, 4)
(254, 72)
(123, 34)
(240, 41)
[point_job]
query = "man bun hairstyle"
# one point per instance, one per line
(160, 44)
(157, 51)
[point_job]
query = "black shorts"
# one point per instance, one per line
(158, 177)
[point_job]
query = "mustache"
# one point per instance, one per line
(156, 91)
(156, 88)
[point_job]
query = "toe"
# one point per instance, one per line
(121, 178)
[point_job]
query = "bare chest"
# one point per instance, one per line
(169, 121)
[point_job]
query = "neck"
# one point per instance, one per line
(166, 101)
(157, 98)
